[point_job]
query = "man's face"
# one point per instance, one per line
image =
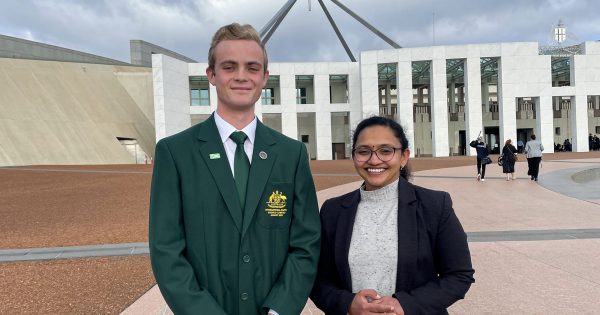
(239, 74)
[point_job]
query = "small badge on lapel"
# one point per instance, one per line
(262, 155)
(214, 156)
(276, 204)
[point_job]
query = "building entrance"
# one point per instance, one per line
(462, 142)
(338, 151)
(492, 139)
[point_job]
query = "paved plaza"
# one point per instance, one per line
(535, 249)
(535, 245)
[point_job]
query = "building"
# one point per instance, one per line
(61, 106)
(444, 96)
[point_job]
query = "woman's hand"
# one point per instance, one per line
(393, 302)
(367, 301)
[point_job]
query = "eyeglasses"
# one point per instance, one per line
(363, 154)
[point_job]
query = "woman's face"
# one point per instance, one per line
(374, 171)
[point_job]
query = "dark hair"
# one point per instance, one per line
(532, 137)
(396, 128)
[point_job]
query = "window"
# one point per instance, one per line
(200, 97)
(271, 94)
(305, 89)
(301, 96)
(557, 131)
(268, 96)
(199, 91)
(597, 129)
(561, 71)
(338, 88)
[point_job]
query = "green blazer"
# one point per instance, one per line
(208, 255)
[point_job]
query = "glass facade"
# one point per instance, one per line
(268, 96)
(199, 91)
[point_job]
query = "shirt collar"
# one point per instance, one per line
(225, 128)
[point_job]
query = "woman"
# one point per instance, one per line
(389, 246)
(533, 149)
(482, 152)
(509, 157)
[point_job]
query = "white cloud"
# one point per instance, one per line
(186, 26)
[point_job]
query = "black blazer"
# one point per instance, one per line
(434, 263)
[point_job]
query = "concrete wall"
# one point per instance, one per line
(72, 113)
(12, 47)
(141, 53)
(171, 96)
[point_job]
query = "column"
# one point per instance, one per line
(369, 83)
(171, 95)
(439, 108)
(405, 102)
(322, 117)
(451, 97)
(473, 119)
(485, 94)
(388, 97)
(545, 122)
(579, 123)
(289, 119)
(508, 120)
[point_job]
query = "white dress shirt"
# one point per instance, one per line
(225, 130)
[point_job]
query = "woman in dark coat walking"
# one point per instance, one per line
(509, 154)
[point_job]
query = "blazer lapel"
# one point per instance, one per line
(345, 225)
(407, 235)
(263, 158)
(213, 153)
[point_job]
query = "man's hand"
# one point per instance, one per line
(391, 301)
(365, 302)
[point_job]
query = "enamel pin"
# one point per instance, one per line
(262, 155)
(214, 156)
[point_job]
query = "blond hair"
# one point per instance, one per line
(235, 31)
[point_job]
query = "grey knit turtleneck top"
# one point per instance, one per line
(373, 254)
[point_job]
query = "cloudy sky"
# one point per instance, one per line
(105, 27)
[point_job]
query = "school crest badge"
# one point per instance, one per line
(276, 204)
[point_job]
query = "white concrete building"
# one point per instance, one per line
(443, 96)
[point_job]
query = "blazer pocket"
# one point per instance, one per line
(276, 206)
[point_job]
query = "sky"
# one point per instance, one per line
(104, 27)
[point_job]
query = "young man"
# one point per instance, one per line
(234, 220)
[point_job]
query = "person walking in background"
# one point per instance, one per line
(520, 145)
(533, 150)
(234, 220)
(389, 247)
(509, 157)
(482, 152)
